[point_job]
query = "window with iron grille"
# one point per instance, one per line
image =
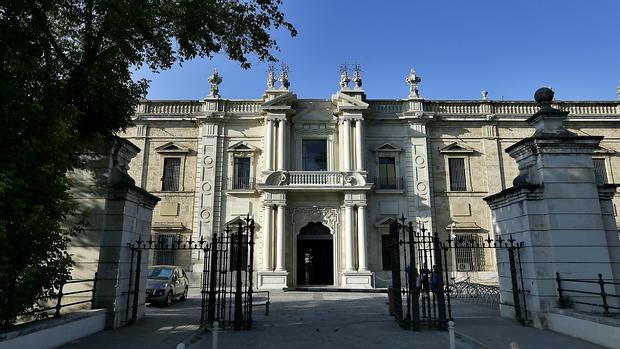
(600, 171)
(241, 179)
(390, 262)
(234, 255)
(387, 173)
(456, 167)
(165, 255)
(468, 257)
(172, 171)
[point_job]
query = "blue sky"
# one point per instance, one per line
(458, 47)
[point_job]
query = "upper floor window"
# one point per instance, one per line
(172, 172)
(314, 154)
(600, 171)
(458, 182)
(241, 179)
(387, 173)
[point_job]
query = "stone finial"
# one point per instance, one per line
(618, 92)
(543, 96)
(284, 83)
(271, 77)
(215, 80)
(485, 95)
(548, 120)
(357, 77)
(344, 77)
(414, 81)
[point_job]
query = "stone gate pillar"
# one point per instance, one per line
(558, 210)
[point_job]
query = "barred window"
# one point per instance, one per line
(387, 173)
(456, 167)
(388, 258)
(165, 255)
(469, 258)
(600, 171)
(172, 171)
(242, 173)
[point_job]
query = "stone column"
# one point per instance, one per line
(361, 238)
(348, 237)
(280, 228)
(346, 124)
(269, 145)
(281, 144)
(359, 151)
(268, 235)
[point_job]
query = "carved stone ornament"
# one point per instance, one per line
(485, 95)
(284, 82)
(271, 78)
(414, 81)
(357, 77)
(304, 215)
(215, 80)
(344, 80)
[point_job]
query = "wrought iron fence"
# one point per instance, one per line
(43, 307)
(564, 299)
(474, 292)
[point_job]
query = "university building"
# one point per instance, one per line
(324, 178)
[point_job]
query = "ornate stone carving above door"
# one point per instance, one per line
(329, 216)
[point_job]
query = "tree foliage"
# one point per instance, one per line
(66, 84)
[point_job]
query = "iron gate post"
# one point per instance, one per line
(238, 284)
(515, 285)
(415, 304)
(251, 271)
(212, 280)
(136, 292)
(441, 301)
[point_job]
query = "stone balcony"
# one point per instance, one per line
(314, 181)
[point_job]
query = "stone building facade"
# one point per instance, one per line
(324, 178)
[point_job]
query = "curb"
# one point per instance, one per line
(193, 338)
(471, 341)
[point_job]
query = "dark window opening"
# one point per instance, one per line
(314, 155)
(390, 262)
(172, 172)
(600, 171)
(387, 173)
(456, 167)
(241, 179)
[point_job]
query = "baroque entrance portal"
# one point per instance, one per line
(315, 255)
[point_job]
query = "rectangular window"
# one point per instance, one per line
(389, 259)
(387, 173)
(314, 154)
(456, 167)
(164, 255)
(241, 179)
(600, 171)
(172, 171)
(468, 257)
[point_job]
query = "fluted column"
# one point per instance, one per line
(282, 126)
(359, 158)
(361, 238)
(268, 236)
(280, 225)
(348, 238)
(346, 124)
(269, 145)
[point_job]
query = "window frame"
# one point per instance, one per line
(237, 150)
(172, 150)
(314, 139)
(165, 160)
(458, 150)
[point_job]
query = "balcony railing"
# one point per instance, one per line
(241, 183)
(315, 178)
(395, 183)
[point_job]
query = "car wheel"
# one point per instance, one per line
(184, 295)
(168, 301)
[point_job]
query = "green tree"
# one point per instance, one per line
(66, 84)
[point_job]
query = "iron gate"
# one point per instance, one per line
(420, 295)
(226, 280)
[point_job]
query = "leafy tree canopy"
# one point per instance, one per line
(66, 83)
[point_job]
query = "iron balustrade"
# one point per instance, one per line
(60, 295)
(564, 300)
(241, 183)
(396, 183)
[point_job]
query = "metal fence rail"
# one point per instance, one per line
(563, 299)
(474, 292)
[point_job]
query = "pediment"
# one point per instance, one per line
(385, 222)
(279, 103)
(242, 147)
(346, 102)
(173, 148)
(456, 148)
(314, 111)
(388, 147)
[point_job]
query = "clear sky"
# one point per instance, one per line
(458, 47)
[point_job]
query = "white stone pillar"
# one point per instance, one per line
(346, 124)
(281, 145)
(268, 236)
(361, 238)
(280, 225)
(359, 151)
(348, 238)
(269, 145)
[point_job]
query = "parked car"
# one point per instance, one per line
(164, 283)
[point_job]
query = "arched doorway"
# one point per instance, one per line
(315, 255)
